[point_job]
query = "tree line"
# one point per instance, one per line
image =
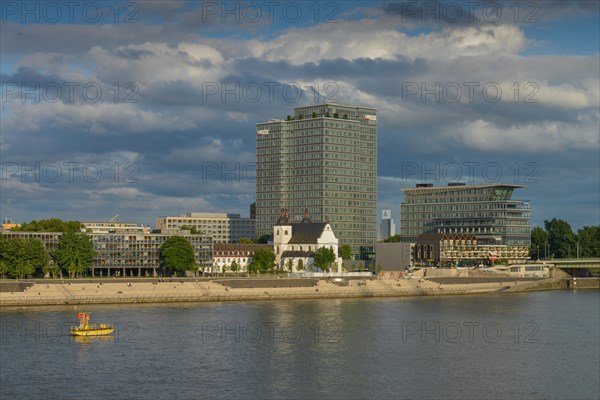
(22, 257)
(557, 240)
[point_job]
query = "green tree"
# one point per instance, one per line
(245, 241)
(263, 260)
(177, 255)
(37, 256)
(588, 238)
(22, 265)
(539, 238)
(561, 238)
(263, 239)
(9, 255)
(50, 225)
(21, 257)
(4, 257)
(75, 253)
(345, 252)
(324, 256)
(234, 267)
(52, 270)
(392, 239)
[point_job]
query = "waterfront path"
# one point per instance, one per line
(221, 290)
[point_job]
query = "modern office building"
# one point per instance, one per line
(127, 253)
(387, 227)
(324, 159)
(486, 211)
(222, 227)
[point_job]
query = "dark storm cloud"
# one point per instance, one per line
(157, 10)
(557, 8)
(435, 13)
(173, 93)
(24, 39)
(29, 77)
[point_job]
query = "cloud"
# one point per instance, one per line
(189, 143)
(547, 137)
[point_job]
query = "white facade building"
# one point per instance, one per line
(224, 256)
(295, 244)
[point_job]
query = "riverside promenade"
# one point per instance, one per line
(133, 291)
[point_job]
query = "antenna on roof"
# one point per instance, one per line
(114, 219)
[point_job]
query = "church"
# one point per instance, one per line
(295, 244)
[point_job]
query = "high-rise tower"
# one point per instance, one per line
(324, 159)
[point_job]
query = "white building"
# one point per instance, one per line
(224, 256)
(295, 244)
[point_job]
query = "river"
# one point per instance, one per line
(540, 345)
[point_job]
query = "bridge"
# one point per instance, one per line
(576, 266)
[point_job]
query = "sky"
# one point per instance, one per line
(145, 109)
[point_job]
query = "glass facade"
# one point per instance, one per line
(486, 211)
(324, 159)
(126, 254)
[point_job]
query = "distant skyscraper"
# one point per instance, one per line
(387, 227)
(253, 211)
(324, 159)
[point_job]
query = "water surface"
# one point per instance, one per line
(519, 346)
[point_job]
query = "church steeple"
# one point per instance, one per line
(284, 217)
(306, 218)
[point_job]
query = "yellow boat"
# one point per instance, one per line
(85, 329)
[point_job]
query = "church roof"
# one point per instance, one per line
(306, 233)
